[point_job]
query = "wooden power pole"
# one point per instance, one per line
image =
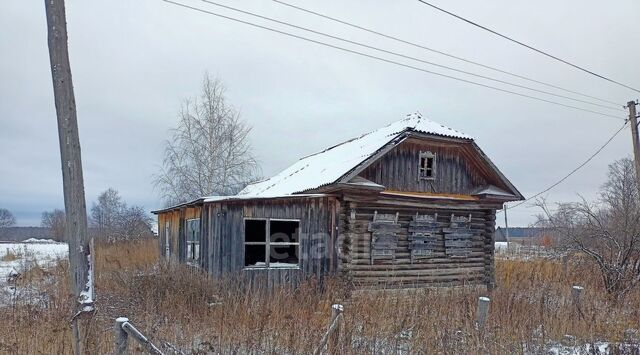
(506, 226)
(73, 183)
(633, 119)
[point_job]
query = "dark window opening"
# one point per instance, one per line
(427, 167)
(255, 230)
(284, 231)
(254, 255)
(279, 249)
(283, 254)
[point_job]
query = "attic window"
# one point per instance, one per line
(427, 166)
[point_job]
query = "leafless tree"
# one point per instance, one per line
(607, 231)
(111, 219)
(209, 152)
(134, 223)
(55, 221)
(6, 218)
(105, 213)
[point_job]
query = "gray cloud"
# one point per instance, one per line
(133, 62)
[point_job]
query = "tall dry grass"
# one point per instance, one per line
(530, 309)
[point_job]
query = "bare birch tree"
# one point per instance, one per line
(209, 152)
(607, 231)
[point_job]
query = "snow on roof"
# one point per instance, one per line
(248, 197)
(328, 166)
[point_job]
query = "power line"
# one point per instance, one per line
(528, 46)
(572, 171)
(616, 108)
(441, 52)
(387, 60)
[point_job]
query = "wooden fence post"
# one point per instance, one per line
(576, 292)
(333, 332)
(483, 310)
(336, 311)
(121, 336)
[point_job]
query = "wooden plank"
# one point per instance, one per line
(421, 229)
(458, 252)
(458, 244)
(383, 226)
(423, 274)
(381, 252)
(384, 238)
(422, 238)
(459, 236)
(417, 252)
(381, 217)
(425, 218)
(423, 246)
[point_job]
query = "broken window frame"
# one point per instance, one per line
(268, 243)
(192, 245)
(424, 171)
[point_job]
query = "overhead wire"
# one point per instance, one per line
(421, 46)
(615, 108)
(387, 60)
(583, 164)
(528, 46)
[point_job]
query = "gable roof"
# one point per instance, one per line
(329, 165)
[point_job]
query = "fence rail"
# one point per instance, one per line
(123, 330)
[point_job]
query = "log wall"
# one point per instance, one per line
(400, 270)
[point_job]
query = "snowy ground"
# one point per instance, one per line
(23, 255)
(500, 246)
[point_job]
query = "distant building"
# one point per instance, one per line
(411, 204)
(518, 233)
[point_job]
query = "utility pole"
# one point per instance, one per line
(73, 183)
(506, 226)
(633, 119)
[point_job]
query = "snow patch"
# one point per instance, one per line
(28, 254)
(500, 246)
(41, 241)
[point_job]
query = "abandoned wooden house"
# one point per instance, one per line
(411, 204)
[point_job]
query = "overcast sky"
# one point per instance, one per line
(134, 61)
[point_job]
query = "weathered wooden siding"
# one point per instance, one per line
(398, 169)
(177, 222)
(173, 219)
(223, 246)
(400, 271)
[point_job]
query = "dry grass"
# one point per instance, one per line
(175, 304)
(11, 255)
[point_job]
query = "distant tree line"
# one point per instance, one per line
(109, 219)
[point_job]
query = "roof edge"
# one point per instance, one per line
(184, 204)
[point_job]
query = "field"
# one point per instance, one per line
(182, 310)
